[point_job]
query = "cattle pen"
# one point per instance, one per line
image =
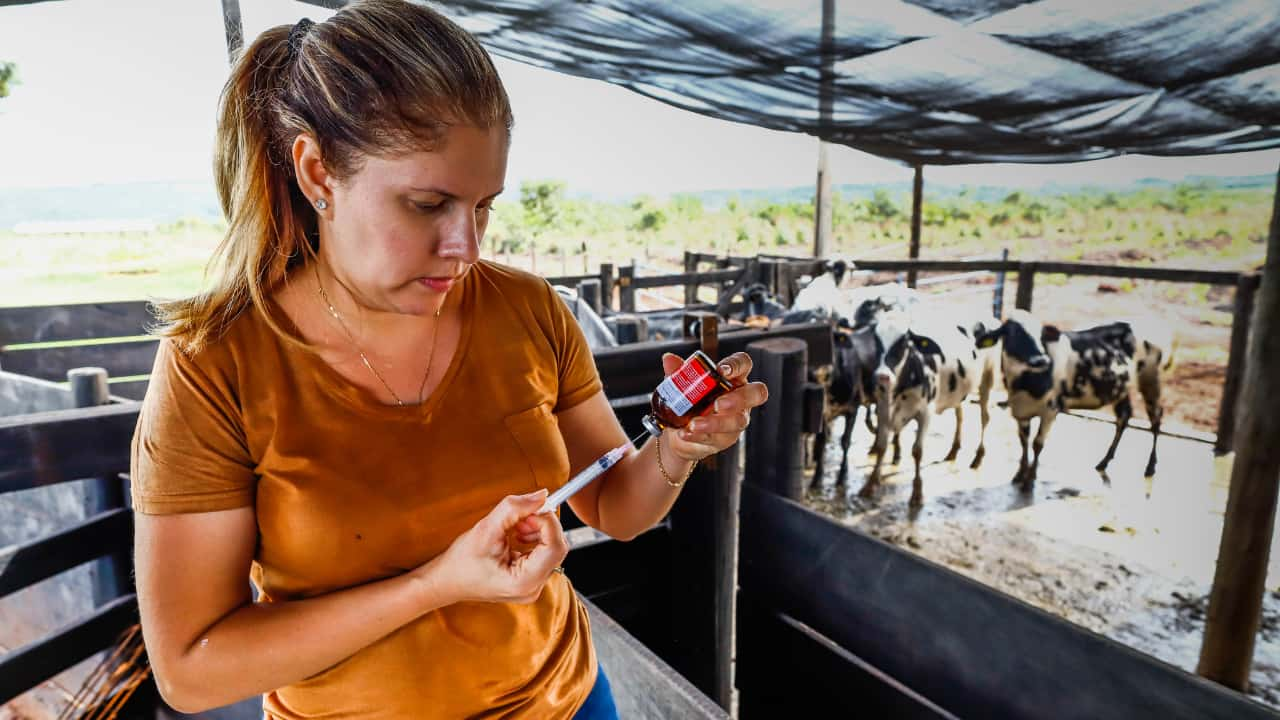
(700, 605)
(743, 600)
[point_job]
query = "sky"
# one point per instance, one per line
(115, 91)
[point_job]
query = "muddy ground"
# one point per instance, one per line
(1124, 556)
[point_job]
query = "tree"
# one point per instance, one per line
(8, 71)
(543, 202)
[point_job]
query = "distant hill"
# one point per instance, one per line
(160, 202)
(164, 202)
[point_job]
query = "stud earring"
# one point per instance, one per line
(321, 204)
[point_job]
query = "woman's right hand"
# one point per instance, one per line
(505, 557)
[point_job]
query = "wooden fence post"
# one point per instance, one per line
(690, 289)
(1026, 285)
(606, 287)
(775, 452)
(917, 201)
(997, 300)
(589, 290)
(110, 574)
(704, 529)
(1235, 603)
(630, 329)
(627, 288)
(1246, 286)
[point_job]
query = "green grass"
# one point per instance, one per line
(1186, 226)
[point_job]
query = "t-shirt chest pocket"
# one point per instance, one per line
(537, 433)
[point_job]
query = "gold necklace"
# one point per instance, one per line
(431, 355)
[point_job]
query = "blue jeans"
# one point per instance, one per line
(599, 704)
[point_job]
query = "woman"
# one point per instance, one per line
(364, 417)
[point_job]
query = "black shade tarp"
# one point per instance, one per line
(929, 81)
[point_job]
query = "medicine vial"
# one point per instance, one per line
(685, 394)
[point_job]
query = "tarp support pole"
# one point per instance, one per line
(1235, 603)
(822, 197)
(917, 199)
(235, 31)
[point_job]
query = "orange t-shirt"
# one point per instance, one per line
(348, 490)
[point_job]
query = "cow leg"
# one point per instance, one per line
(819, 453)
(955, 442)
(1024, 434)
(846, 437)
(1149, 386)
(917, 452)
(1042, 434)
(882, 441)
(984, 398)
(897, 448)
(1124, 411)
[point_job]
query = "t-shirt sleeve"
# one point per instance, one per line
(575, 366)
(189, 452)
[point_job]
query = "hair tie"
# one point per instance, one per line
(298, 32)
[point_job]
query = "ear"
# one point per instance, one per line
(1050, 334)
(312, 176)
(988, 339)
(926, 345)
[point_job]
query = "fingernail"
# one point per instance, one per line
(716, 405)
(726, 368)
(536, 493)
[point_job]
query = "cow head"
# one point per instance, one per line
(895, 342)
(837, 268)
(1025, 341)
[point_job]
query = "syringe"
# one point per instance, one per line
(591, 472)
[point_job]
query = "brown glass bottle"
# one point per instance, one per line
(685, 394)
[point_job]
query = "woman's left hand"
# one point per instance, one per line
(708, 434)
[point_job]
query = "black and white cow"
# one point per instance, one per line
(850, 386)
(760, 303)
(1047, 371)
(923, 372)
(823, 293)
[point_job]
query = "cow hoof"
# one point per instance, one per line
(951, 456)
(868, 491)
(1151, 470)
(917, 501)
(1017, 478)
(977, 462)
(1102, 466)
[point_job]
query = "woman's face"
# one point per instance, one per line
(402, 231)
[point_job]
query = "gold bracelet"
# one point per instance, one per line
(657, 443)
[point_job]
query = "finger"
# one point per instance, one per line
(552, 547)
(671, 363)
(735, 367)
(515, 508)
(734, 422)
(699, 447)
(742, 398)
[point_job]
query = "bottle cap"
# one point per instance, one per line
(651, 425)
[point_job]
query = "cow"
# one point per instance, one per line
(1047, 371)
(760, 303)
(927, 369)
(848, 387)
(823, 292)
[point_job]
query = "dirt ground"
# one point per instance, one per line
(1128, 557)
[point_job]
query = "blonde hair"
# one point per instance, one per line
(379, 77)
